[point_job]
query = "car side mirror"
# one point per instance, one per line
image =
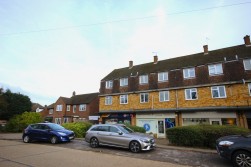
(120, 133)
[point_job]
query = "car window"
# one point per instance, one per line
(34, 126)
(125, 129)
(94, 128)
(103, 128)
(114, 129)
(55, 126)
(44, 127)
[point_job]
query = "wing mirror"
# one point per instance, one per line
(120, 133)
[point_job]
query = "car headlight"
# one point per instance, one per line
(62, 134)
(144, 140)
(226, 143)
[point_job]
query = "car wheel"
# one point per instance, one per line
(26, 139)
(135, 147)
(54, 139)
(94, 142)
(241, 159)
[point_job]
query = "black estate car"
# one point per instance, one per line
(236, 148)
(47, 132)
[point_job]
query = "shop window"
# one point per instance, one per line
(195, 121)
(228, 121)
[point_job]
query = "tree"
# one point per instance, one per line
(12, 104)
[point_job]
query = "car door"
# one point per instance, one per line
(44, 131)
(103, 134)
(118, 138)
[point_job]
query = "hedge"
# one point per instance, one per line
(201, 135)
(79, 128)
(136, 128)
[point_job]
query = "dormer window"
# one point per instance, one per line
(247, 64)
(143, 79)
(215, 69)
(109, 84)
(123, 81)
(189, 73)
(162, 76)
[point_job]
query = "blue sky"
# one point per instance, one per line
(50, 48)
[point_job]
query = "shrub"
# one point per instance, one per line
(79, 128)
(137, 128)
(201, 135)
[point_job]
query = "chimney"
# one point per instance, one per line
(205, 49)
(155, 59)
(130, 64)
(73, 93)
(247, 40)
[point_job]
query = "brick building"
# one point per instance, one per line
(84, 107)
(211, 87)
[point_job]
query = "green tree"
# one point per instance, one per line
(13, 103)
(20, 122)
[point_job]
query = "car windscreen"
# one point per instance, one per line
(55, 127)
(125, 129)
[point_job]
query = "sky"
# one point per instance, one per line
(50, 48)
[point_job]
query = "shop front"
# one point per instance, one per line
(118, 118)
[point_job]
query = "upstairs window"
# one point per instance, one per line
(191, 94)
(249, 88)
(123, 99)
(74, 108)
(123, 81)
(82, 107)
(215, 69)
(109, 84)
(163, 96)
(247, 64)
(163, 76)
(108, 100)
(68, 108)
(144, 97)
(218, 92)
(51, 111)
(143, 79)
(59, 107)
(189, 73)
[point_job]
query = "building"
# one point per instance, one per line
(211, 87)
(84, 107)
(36, 107)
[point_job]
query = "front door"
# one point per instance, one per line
(161, 129)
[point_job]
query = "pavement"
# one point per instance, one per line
(161, 143)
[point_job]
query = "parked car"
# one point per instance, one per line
(236, 148)
(117, 135)
(47, 132)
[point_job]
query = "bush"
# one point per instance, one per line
(19, 122)
(79, 128)
(201, 135)
(137, 128)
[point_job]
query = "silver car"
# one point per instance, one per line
(118, 136)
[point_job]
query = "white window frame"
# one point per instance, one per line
(59, 107)
(51, 111)
(123, 99)
(58, 121)
(74, 108)
(247, 64)
(189, 73)
(163, 96)
(162, 76)
(189, 94)
(123, 81)
(249, 88)
(215, 69)
(144, 97)
(218, 89)
(109, 84)
(143, 79)
(68, 108)
(108, 100)
(82, 107)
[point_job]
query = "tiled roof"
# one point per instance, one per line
(193, 60)
(82, 99)
(51, 106)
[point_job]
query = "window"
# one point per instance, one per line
(215, 69)
(108, 84)
(68, 108)
(108, 100)
(189, 73)
(218, 92)
(66, 120)
(123, 81)
(82, 107)
(58, 120)
(144, 97)
(163, 76)
(247, 64)
(51, 111)
(249, 88)
(59, 107)
(164, 96)
(123, 99)
(143, 79)
(74, 108)
(191, 94)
